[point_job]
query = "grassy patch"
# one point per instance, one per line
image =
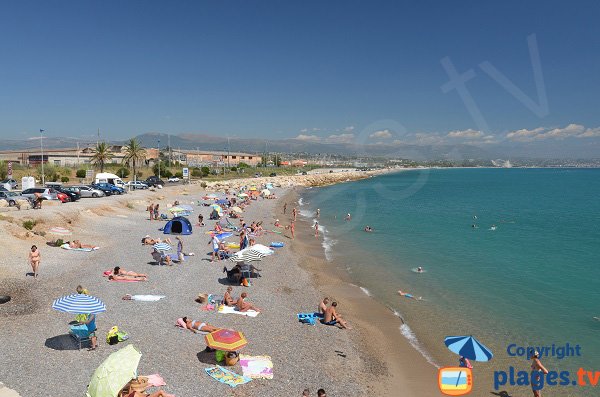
(30, 224)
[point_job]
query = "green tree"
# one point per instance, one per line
(102, 155)
(123, 172)
(243, 165)
(135, 154)
(64, 179)
(3, 169)
(205, 171)
(80, 174)
(196, 172)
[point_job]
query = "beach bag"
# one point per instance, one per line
(219, 356)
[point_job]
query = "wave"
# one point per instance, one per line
(366, 291)
(306, 213)
(414, 342)
(300, 202)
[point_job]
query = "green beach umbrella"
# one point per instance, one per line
(114, 373)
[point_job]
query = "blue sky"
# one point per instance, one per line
(322, 71)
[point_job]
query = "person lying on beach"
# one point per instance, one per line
(196, 326)
(118, 277)
(331, 317)
(147, 240)
(78, 244)
(134, 393)
(277, 224)
(122, 272)
(410, 296)
(227, 299)
(244, 306)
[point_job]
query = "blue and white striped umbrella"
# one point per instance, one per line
(224, 235)
(79, 304)
(468, 347)
(162, 247)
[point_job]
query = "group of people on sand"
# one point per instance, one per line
(330, 316)
(153, 211)
(320, 393)
(241, 304)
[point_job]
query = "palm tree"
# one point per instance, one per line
(134, 154)
(101, 155)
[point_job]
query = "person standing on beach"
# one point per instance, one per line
(150, 210)
(284, 207)
(316, 229)
(294, 213)
(34, 260)
(292, 229)
(537, 374)
(90, 322)
(156, 211)
(215, 245)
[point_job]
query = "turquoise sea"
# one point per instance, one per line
(533, 281)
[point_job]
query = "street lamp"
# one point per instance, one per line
(159, 159)
(42, 150)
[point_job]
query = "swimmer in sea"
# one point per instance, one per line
(493, 227)
(419, 269)
(368, 228)
(407, 295)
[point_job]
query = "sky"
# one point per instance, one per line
(321, 71)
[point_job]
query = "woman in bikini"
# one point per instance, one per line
(78, 244)
(34, 260)
(196, 326)
(117, 271)
(537, 371)
(227, 299)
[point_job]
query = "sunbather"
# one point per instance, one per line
(118, 277)
(244, 306)
(227, 299)
(122, 272)
(333, 318)
(196, 326)
(147, 240)
(77, 244)
(159, 393)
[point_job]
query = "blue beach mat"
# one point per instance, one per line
(227, 377)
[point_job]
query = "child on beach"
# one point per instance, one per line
(34, 260)
(156, 212)
(150, 210)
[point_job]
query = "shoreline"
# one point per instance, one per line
(394, 363)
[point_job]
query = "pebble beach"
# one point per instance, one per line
(40, 359)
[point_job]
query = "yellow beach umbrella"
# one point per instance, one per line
(114, 373)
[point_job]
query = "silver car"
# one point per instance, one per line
(12, 198)
(47, 193)
(87, 191)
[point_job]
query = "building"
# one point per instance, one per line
(196, 158)
(59, 157)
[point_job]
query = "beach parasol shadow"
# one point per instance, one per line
(61, 342)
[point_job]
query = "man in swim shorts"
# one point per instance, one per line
(333, 318)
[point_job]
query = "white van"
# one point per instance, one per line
(105, 177)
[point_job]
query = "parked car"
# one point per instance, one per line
(137, 185)
(73, 189)
(107, 190)
(173, 179)
(63, 197)
(114, 189)
(47, 193)
(73, 196)
(87, 191)
(154, 181)
(13, 184)
(12, 197)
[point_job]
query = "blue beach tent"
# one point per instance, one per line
(178, 225)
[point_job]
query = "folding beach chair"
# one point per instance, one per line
(81, 334)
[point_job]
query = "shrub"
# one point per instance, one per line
(179, 175)
(123, 172)
(64, 179)
(205, 171)
(196, 172)
(54, 177)
(166, 174)
(234, 169)
(80, 174)
(58, 242)
(203, 185)
(30, 224)
(243, 165)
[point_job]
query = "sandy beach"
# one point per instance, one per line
(40, 358)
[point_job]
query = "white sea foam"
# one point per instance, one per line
(300, 201)
(366, 291)
(414, 342)
(328, 244)
(306, 213)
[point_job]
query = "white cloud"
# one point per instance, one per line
(340, 138)
(469, 134)
(541, 133)
(304, 130)
(422, 138)
(308, 138)
(350, 128)
(383, 134)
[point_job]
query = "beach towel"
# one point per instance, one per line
(67, 247)
(155, 380)
(232, 310)
(147, 298)
(227, 377)
(309, 318)
(257, 367)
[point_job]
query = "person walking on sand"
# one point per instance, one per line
(156, 212)
(292, 229)
(537, 374)
(150, 210)
(333, 318)
(316, 229)
(294, 213)
(284, 207)
(34, 260)
(215, 245)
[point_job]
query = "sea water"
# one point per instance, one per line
(511, 256)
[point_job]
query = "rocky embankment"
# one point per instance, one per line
(313, 179)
